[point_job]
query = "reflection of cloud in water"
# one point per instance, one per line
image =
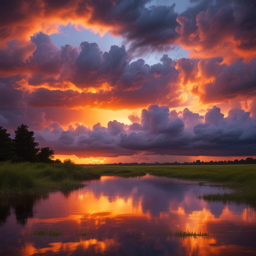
(113, 210)
(155, 196)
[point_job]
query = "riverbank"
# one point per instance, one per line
(21, 178)
(241, 179)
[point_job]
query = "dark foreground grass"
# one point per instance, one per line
(40, 177)
(240, 178)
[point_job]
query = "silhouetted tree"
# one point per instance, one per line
(25, 144)
(249, 160)
(68, 161)
(7, 150)
(45, 155)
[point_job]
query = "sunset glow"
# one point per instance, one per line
(142, 81)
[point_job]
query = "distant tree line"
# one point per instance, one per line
(23, 147)
(248, 160)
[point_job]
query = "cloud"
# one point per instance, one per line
(219, 28)
(134, 118)
(117, 83)
(220, 81)
(76, 65)
(10, 97)
(14, 56)
(207, 28)
(190, 119)
(46, 59)
(132, 19)
(160, 134)
(214, 116)
(3, 120)
(40, 84)
(86, 77)
(188, 70)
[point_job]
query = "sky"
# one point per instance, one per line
(109, 81)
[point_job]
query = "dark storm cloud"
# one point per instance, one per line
(159, 133)
(131, 19)
(236, 80)
(13, 58)
(119, 83)
(46, 59)
(84, 67)
(190, 119)
(202, 28)
(34, 118)
(219, 28)
(10, 98)
(131, 85)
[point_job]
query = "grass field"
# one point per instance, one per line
(24, 177)
(40, 177)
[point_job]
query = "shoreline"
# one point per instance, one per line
(17, 179)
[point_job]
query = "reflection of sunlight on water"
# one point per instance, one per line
(196, 245)
(210, 246)
(198, 220)
(102, 178)
(99, 246)
(27, 250)
(249, 215)
(179, 211)
(90, 207)
(111, 213)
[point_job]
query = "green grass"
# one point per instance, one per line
(33, 177)
(122, 171)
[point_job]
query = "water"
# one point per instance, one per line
(127, 217)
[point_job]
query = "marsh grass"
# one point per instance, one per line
(167, 233)
(55, 233)
(40, 232)
(120, 171)
(84, 233)
(27, 177)
(43, 232)
(186, 234)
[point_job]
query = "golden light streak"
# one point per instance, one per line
(80, 160)
(99, 246)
